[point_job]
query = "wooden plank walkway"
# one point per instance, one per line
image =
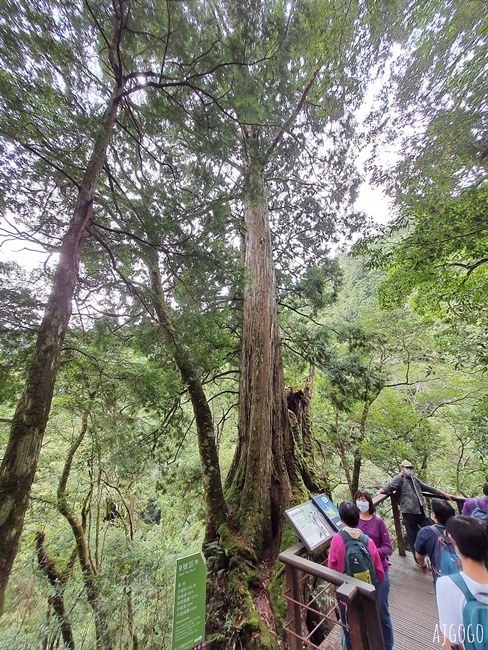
(412, 607)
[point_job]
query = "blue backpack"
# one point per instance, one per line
(481, 515)
(444, 562)
(475, 618)
(357, 559)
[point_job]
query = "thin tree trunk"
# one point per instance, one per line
(90, 577)
(57, 581)
(215, 505)
(29, 423)
(357, 460)
(339, 444)
(130, 616)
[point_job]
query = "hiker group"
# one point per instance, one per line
(454, 547)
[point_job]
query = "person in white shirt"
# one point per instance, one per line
(471, 544)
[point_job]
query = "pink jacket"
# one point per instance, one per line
(336, 556)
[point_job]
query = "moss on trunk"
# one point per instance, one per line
(237, 594)
(21, 457)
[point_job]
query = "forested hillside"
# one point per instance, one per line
(183, 352)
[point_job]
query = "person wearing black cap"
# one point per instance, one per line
(411, 501)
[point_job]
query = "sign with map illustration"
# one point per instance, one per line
(327, 508)
(310, 525)
(189, 607)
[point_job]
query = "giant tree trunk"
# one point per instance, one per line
(260, 487)
(263, 473)
(29, 422)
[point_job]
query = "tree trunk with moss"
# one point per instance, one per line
(57, 581)
(29, 422)
(261, 481)
(300, 409)
(263, 476)
(215, 505)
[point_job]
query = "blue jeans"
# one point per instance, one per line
(346, 637)
(384, 612)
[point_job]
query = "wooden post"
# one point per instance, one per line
(347, 593)
(371, 623)
(363, 617)
(460, 503)
(293, 608)
(398, 525)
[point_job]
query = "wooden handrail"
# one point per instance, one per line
(364, 623)
(291, 556)
(396, 513)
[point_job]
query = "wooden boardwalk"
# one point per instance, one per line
(412, 607)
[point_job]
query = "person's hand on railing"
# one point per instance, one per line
(447, 496)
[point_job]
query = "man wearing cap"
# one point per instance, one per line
(411, 501)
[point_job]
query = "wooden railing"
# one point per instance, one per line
(395, 510)
(360, 598)
(332, 587)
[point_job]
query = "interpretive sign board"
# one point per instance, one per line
(327, 508)
(310, 525)
(189, 607)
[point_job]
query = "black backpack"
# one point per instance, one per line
(357, 558)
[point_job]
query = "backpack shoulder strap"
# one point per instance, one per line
(436, 531)
(458, 580)
(345, 536)
(347, 539)
(364, 539)
(441, 533)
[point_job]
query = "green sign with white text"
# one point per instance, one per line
(189, 608)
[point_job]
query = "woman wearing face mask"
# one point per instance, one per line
(374, 527)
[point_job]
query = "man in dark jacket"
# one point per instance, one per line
(411, 501)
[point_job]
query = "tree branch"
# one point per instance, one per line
(294, 114)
